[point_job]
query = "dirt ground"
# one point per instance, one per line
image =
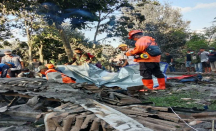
(188, 95)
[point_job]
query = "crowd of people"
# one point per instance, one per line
(196, 62)
(12, 66)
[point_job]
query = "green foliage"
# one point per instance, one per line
(50, 43)
(213, 44)
(174, 100)
(196, 42)
(164, 24)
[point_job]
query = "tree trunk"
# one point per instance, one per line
(97, 28)
(41, 53)
(29, 44)
(30, 55)
(66, 42)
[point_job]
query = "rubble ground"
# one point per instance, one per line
(184, 95)
(38, 105)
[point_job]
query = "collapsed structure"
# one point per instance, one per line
(39, 104)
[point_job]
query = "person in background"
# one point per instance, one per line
(127, 60)
(204, 56)
(5, 67)
(79, 57)
(188, 63)
(49, 71)
(195, 59)
(212, 59)
(9, 57)
(170, 61)
(35, 64)
(26, 73)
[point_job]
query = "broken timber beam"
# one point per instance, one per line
(156, 126)
(26, 96)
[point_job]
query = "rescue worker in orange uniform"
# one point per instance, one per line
(50, 68)
(149, 65)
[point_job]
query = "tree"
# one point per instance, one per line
(196, 42)
(106, 13)
(23, 17)
(156, 20)
(210, 32)
(5, 32)
(78, 12)
(55, 12)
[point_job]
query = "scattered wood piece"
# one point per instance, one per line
(88, 119)
(158, 121)
(204, 114)
(95, 124)
(67, 122)
(79, 122)
(22, 113)
(156, 126)
(174, 119)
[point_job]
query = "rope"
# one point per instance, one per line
(182, 119)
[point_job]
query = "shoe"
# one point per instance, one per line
(161, 82)
(148, 83)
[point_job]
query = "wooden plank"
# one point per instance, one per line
(174, 119)
(204, 114)
(67, 122)
(27, 96)
(95, 125)
(22, 113)
(131, 112)
(150, 107)
(140, 110)
(104, 125)
(79, 122)
(156, 127)
(167, 114)
(88, 119)
(158, 121)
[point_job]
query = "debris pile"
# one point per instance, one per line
(37, 104)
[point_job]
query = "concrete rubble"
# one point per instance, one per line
(38, 105)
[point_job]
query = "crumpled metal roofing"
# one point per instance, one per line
(44, 88)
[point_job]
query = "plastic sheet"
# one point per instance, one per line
(127, 77)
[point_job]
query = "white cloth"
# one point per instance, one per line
(130, 59)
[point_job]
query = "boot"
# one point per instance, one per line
(161, 82)
(148, 83)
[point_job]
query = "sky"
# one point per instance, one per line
(201, 13)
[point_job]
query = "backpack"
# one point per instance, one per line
(153, 50)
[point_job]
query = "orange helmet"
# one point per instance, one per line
(131, 33)
(50, 66)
